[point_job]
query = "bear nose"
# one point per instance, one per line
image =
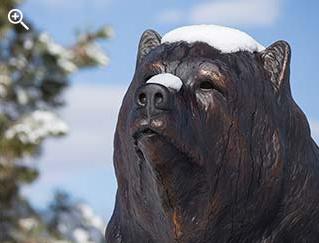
(155, 98)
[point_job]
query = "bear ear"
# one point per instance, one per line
(276, 60)
(149, 40)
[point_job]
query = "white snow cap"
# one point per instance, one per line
(168, 80)
(225, 39)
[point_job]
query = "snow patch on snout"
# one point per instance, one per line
(168, 80)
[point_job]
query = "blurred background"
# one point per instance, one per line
(61, 85)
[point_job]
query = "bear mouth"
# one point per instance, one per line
(140, 134)
(148, 141)
(145, 132)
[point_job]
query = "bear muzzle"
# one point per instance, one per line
(154, 99)
(153, 103)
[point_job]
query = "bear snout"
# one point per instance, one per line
(154, 99)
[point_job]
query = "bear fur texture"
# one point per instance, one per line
(227, 158)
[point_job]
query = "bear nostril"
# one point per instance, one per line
(158, 98)
(153, 97)
(142, 99)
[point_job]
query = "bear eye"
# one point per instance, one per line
(206, 86)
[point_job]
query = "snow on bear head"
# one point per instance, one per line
(225, 39)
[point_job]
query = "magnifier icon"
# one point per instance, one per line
(15, 16)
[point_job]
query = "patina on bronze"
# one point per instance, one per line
(228, 158)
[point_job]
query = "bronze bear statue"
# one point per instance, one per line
(220, 154)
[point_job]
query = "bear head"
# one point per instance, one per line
(210, 146)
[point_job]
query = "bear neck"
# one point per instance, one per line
(162, 212)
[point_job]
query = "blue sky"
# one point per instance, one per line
(82, 162)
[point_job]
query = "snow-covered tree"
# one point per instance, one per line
(34, 72)
(74, 220)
